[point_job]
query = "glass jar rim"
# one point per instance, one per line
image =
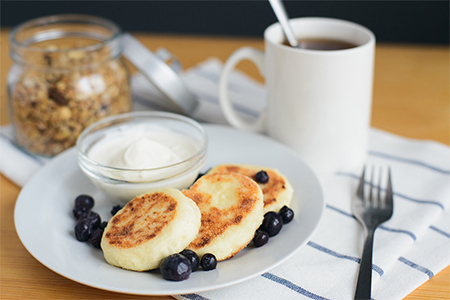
(112, 39)
(54, 19)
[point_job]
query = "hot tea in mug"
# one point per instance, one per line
(322, 44)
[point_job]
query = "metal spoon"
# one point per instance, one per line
(280, 12)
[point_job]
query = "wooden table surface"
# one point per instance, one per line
(411, 98)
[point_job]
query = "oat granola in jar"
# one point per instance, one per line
(68, 73)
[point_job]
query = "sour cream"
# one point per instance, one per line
(142, 150)
(142, 153)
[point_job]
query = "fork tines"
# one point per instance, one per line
(371, 199)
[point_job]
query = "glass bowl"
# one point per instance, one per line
(141, 137)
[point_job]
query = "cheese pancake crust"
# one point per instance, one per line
(149, 228)
(232, 209)
(278, 191)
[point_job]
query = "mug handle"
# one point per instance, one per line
(257, 57)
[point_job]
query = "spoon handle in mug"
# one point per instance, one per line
(280, 12)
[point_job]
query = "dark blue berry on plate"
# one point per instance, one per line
(175, 267)
(208, 262)
(192, 257)
(84, 201)
(286, 214)
(96, 237)
(103, 225)
(115, 209)
(261, 238)
(78, 211)
(262, 177)
(93, 219)
(83, 230)
(272, 223)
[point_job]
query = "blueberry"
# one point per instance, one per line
(261, 238)
(175, 267)
(84, 201)
(83, 230)
(192, 257)
(208, 262)
(115, 209)
(286, 214)
(262, 177)
(78, 211)
(103, 225)
(93, 218)
(272, 223)
(96, 237)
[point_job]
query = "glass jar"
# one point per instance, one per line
(67, 74)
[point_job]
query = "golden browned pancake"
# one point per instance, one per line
(277, 191)
(232, 209)
(149, 228)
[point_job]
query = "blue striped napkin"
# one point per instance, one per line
(409, 249)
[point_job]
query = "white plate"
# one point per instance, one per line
(44, 221)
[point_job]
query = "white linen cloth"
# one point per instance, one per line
(409, 249)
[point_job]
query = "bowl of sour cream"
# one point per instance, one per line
(134, 153)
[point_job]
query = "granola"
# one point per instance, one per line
(63, 93)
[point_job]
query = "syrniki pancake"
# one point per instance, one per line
(149, 228)
(232, 209)
(277, 191)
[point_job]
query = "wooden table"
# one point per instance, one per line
(411, 98)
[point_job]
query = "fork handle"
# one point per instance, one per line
(364, 285)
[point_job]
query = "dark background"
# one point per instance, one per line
(425, 22)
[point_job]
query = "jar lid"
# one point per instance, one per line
(160, 74)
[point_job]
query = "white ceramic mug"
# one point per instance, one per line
(318, 102)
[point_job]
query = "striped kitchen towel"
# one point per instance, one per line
(409, 249)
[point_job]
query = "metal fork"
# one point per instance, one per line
(370, 212)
